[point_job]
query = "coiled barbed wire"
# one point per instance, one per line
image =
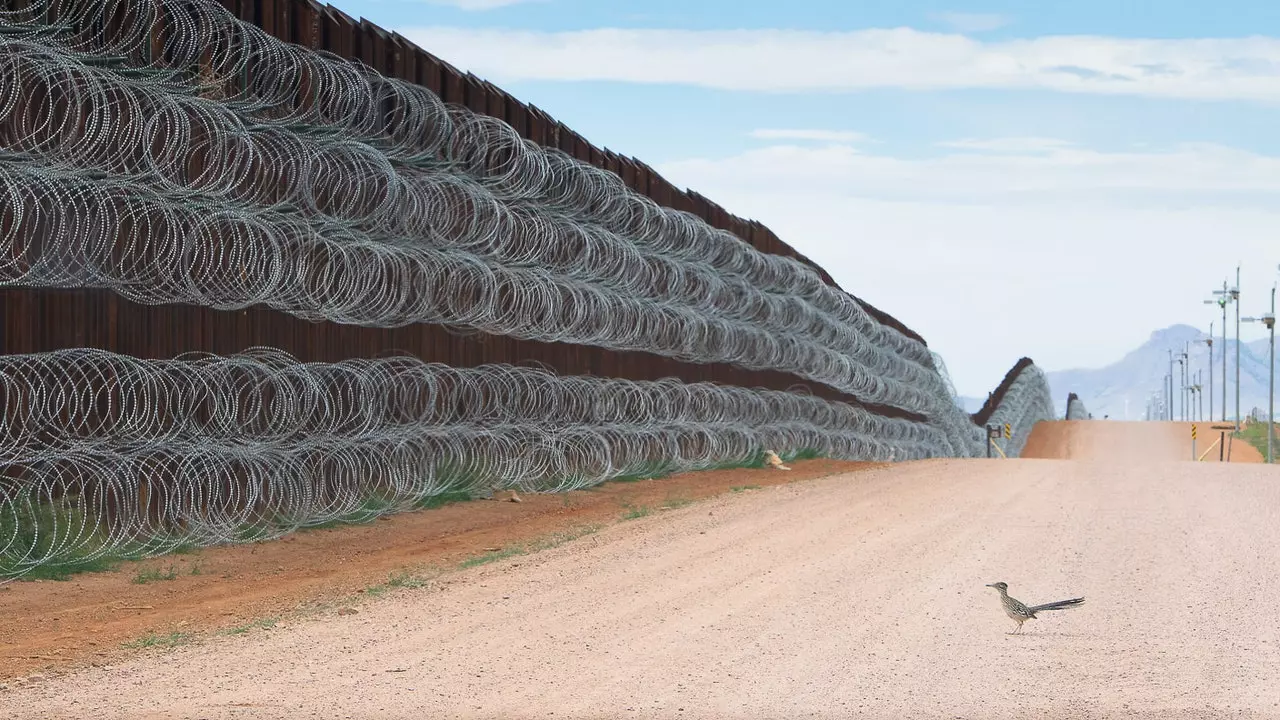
(488, 150)
(1076, 409)
(1026, 403)
(105, 454)
(70, 229)
(344, 98)
(207, 48)
(350, 183)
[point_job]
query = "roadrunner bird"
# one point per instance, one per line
(1020, 612)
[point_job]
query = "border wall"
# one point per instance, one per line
(266, 267)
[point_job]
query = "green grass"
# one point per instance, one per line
(146, 575)
(401, 579)
(39, 531)
(1256, 435)
(373, 508)
(755, 461)
(743, 488)
(448, 498)
(261, 623)
(635, 512)
(648, 471)
(491, 556)
(656, 471)
(66, 572)
(173, 639)
(545, 543)
(25, 533)
(676, 502)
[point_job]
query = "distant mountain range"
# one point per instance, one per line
(1121, 389)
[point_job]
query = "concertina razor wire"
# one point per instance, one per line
(1076, 409)
(207, 449)
(166, 180)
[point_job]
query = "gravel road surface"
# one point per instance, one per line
(859, 595)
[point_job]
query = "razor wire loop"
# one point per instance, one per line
(1076, 409)
(102, 453)
(475, 138)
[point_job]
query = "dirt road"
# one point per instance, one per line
(849, 596)
(1135, 442)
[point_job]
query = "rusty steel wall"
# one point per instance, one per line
(45, 320)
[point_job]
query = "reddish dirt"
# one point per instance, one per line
(49, 626)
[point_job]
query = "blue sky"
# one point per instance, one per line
(1008, 178)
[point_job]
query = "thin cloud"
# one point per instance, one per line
(971, 22)
(479, 5)
(1008, 145)
(1210, 173)
(798, 61)
(835, 136)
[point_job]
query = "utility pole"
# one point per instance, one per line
(1170, 395)
(1182, 387)
(1225, 296)
(1224, 351)
(1235, 297)
(1209, 342)
(1270, 320)
(1200, 396)
(1186, 382)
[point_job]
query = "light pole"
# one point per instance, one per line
(1270, 321)
(1209, 341)
(1235, 298)
(1182, 386)
(1187, 383)
(1169, 410)
(1199, 397)
(1226, 296)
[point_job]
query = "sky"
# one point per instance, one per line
(1050, 179)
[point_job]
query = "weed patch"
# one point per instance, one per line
(172, 639)
(636, 512)
(491, 556)
(146, 575)
(59, 530)
(400, 579)
(1256, 435)
(545, 543)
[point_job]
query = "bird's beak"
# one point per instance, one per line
(991, 584)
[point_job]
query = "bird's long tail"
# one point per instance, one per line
(1060, 605)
